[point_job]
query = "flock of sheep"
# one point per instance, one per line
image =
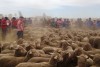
(52, 47)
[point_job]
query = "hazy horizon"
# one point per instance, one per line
(53, 8)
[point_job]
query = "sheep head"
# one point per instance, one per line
(78, 51)
(82, 59)
(20, 51)
(33, 53)
(56, 57)
(96, 59)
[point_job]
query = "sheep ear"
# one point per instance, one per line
(30, 52)
(78, 56)
(51, 53)
(86, 56)
(17, 47)
(55, 57)
(69, 54)
(92, 55)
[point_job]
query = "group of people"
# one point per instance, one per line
(7, 24)
(19, 23)
(60, 22)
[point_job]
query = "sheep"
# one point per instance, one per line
(11, 61)
(49, 44)
(28, 64)
(39, 59)
(4, 60)
(43, 38)
(70, 35)
(20, 41)
(41, 51)
(5, 45)
(30, 46)
(37, 44)
(93, 52)
(9, 45)
(69, 49)
(45, 42)
(85, 39)
(84, 61)
(87, 47)
(1, 55)
(38, 53)
(95, 42)
(64, 44)
(74, 46)
(52, 62)
(89, 62)
(34, 53)
(69, 58)
(81, 61)
(95, 66)
(81, 44)
(96, 59)
(7, 51)
(52, 44)
(0, 47)
(20, 51)
(65, 56)
(48, 50)
(72, 60)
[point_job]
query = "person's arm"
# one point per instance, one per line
(7, 22)
(22, 27)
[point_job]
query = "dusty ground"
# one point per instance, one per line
(11, 36)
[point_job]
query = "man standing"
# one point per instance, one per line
(14, 23)
(20, 27)
(90, 23)
(4, 25)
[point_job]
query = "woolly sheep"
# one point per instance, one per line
(52, 63)
(39, 59)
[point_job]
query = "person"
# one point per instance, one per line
(0, 23)
(79, 23)
(89, 23)
(20, 27)
(65, 23)
(53, 23)
(98, 24)
(9, 25)
(68, 23)
(4, 26)
(29, 20)
(59, 22)
(94, 24)
(14, 22)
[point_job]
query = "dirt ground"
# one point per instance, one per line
(11, 35)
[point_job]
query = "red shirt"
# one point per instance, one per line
(0, 23)
(3, 24)
(14, 23)
(20, 25)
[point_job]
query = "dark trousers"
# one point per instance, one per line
(20, 34)
(4, 33)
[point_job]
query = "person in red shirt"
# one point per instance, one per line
(4, 26)
(20, 27)
(0, 23)
(59, 22)
(14, 22)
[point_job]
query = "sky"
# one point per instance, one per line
(54, 8)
